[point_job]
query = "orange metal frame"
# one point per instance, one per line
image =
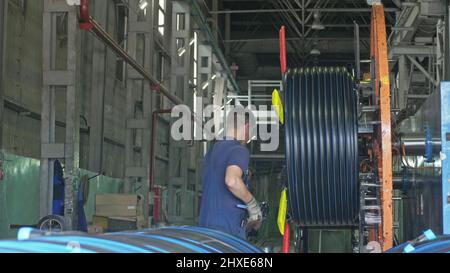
(382, 143)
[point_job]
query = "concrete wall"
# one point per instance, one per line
(23, 78)
(23, 87)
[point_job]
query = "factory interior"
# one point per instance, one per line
(352, 124)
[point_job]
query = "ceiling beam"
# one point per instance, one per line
(247, 23)
(337, 10)
(258, 40)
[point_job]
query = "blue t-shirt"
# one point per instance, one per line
(219, 206)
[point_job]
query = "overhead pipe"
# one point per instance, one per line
(84, 18)
(88, 23)
(110, 42)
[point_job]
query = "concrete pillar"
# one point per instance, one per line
(55, 78)
(180, 75)
(97, 100)
(140, 45)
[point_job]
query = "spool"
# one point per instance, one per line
(321, 147)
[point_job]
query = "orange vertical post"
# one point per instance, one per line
(383, 149)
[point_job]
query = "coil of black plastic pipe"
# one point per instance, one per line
(321, 147)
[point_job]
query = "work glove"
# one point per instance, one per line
(254, 220)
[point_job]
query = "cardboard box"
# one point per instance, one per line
(116, 210)
(95, 230)
(116, 199)
(114, 224)
(117, 205)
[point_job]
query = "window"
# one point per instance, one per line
(195, 49)
(205, 61)
(181, 21)
(161, 16)
(160, 67)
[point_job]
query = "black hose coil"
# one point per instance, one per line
(321, 147)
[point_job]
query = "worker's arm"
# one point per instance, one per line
(234, 182)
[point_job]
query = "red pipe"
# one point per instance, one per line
(286, 238)
(156, 202)
(151, 175)
(85, 19)
(283, 62)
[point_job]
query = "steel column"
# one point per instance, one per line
(403, 82)
(383, 149)
(357, 52)
(227, 35)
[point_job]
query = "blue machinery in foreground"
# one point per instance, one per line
(428, 242)
(164, 240)
(445, 155)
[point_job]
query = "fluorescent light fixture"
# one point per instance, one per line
(315, 52)
(213, 77)
(143, 4)
(251, 139)
(181, 51)
(192, 41)
(205, 85)
(317, 25)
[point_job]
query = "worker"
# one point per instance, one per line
(226, 197)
